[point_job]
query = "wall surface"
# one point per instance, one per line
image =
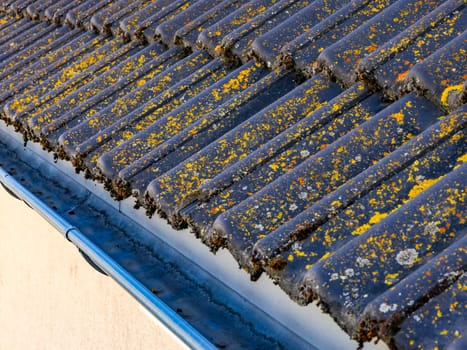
(50, 298)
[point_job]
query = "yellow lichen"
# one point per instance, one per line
(377, 218)
(447, 91)
(359, 230)
(422, 186)
(399, 117)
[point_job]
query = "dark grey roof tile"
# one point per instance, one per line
(210, 39)
(267, 47)
(322, 173)
(175, 9)
(206, 130)
(128, 85)
(134, 25)
(25, 39)
(67, 80)
(24, 75)
(142, 25)
(416, 289)
(4, 5)
(191, 178)
(342, 57)
(303, 51)
(141, 138)
(14, 30)
(134, 65)
(202, 214)
(339, 195)
(57, 11)
(139, 127)
(440, 323)
(166, 31)
(292, 249)
(348, 280)
(48, 38)
(19, 7)
(187, 35)
(160, 91)
(390, 64)
(80, 16)
(36, 10)
(238, 42)
(442, 75)
(109, 19)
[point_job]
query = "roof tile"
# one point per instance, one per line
(441, 76)
(391, 250)
(440, 323)
(391, 63)
(320, 142)
(343, 56)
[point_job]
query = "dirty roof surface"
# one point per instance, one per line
(321, 142)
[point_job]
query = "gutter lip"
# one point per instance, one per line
(174, 323)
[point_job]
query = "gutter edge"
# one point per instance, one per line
(172, 321)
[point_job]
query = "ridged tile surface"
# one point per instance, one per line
(322, 143)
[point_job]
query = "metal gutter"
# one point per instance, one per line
(168, 317)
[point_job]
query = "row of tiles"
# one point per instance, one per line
(205, 137)
(375, 41)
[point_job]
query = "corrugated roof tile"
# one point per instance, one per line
(391, 250)
(302, 52)
(206, 130)
(440, 323)
(345, 185)
(242, 142)
(362, 202)
(238, 42)
(389, 65)
(188, 34)
(441, 76)
(268, 46)
(211, 38)
(162, 93)
(323, 172)
(342, 57)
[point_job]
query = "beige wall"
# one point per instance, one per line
(50, 298)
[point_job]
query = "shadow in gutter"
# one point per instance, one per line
(92, 263)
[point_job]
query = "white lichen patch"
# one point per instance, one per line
(385, 307)
(363, 262)
(293, 207)
(407, 257)
(431, 228)
(303, 195)
(349, 272)
(304, 153)
(259, 227)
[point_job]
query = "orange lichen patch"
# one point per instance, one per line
(447, 91)
(402, 76)
(370, 48)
